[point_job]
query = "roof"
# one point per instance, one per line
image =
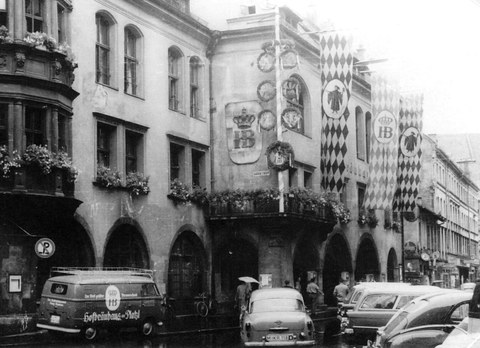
(100, 279)
(269, 293)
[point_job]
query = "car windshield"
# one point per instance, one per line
(276, 305)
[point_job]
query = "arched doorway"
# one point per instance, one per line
(392, 266)
(235, 258)
(337, 260)
(305, 262)
(187, 273)
(73, 248)
(367, 261)
(126, 248)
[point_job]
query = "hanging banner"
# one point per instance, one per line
(409, 153)
(382, 180)
(244, 139)
(336, 77)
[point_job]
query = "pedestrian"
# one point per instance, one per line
(341, 291)
(286, 284)
(313, 290)
(242, 296)
(298, 284)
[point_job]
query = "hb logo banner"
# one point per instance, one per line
(383, 145)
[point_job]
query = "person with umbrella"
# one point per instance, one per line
(242, 294)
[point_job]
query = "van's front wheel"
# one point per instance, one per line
(90, 333)
(148, 327)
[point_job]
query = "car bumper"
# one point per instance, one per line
(280, 343)
(57, 328)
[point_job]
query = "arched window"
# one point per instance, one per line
(174, 78)
(360, 132)
(296, 94)
(132, 55)
(368, 134)
(195, 90)
(104, 54)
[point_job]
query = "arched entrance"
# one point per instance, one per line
(392, 266)
(337, 260)
(305, 262)
(367, 261)
(126, 248)
(73, 248)
(235, 258)
(187, 273)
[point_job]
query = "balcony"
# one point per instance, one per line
(30, 180)
(294, 209)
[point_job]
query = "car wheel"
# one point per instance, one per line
(90, 333)
(148, 327)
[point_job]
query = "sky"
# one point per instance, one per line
(432, 47)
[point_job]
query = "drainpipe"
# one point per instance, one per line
(212, 107)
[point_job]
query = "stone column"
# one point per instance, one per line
(54, 132)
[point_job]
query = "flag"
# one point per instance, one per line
(336, 77)
(382, 178)
(409, 153)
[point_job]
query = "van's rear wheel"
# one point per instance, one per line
(148, 327)
(90, 333)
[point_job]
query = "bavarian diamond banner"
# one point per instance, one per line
(382, 179)
(336, 77)
(409, 153)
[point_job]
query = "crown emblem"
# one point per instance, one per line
(385, 120)
(244, 120)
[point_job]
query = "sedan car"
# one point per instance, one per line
(276, 317)
(375, 308)
(426, 321)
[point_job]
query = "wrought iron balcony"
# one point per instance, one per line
(250, 208)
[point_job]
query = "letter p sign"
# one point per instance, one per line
(44, 248)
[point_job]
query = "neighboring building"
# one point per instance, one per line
(36, 97)
(442, 244)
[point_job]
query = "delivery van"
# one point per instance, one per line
(85, 300)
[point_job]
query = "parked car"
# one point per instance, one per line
(376, 306)
(467, 286)
(424, 322)
(276, 317)
(83, 301)
(467, 333)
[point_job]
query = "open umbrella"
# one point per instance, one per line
(248, 280)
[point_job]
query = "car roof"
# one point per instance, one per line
(104, 279)
(269, 293)
(403, 290)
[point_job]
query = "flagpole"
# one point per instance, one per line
(403, 246)
(278, 87)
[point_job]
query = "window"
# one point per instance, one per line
(34, 126)
(105, 144)
(361, 194)
(177, 153)
(198, 168)
(133, 151)
(61, 23)
(360, 133)
(307, 179)
(174, 81)
(194, 87)
(368, 134)
(3, 13)
(34, 15)
(62, 133)
(292, 177)
(131, 62)
(103, 50)
(296, 95)
(251, 10)
(3, 124)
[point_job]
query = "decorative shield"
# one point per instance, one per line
(384, 127)
(244, 140)
(266, 61)
(266, 90)
(291, 118)
(289, 59)
(410, 141)
(267, 120)
(291, 89)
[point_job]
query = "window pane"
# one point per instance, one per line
(104, 141)
(130, 44)
(34, 126)
(3, 124)
(62, 133)
(176, 154)
(197, 167)
(132, 141)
